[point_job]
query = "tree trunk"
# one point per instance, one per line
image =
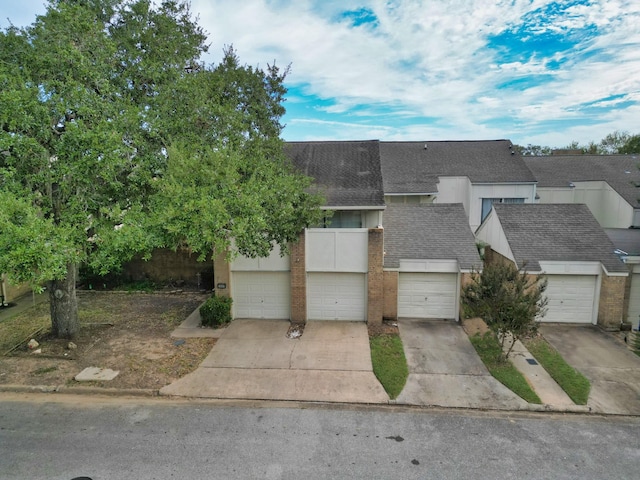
(64, 305)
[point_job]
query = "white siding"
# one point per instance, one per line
(427, 295)
(454, 190)
(261, 295)
(491, 232)
(461, 190)
(337, 250)
(274, 262)
(478, 192)
(336, 296)
(606, 205)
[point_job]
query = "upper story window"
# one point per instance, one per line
(343, 219)
(488, 202)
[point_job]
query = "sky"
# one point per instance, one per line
(536, 72)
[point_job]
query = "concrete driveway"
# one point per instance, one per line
(445, 370)
(612, 369)
(254, 359)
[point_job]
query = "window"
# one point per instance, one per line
(343, 219)
(488, 202)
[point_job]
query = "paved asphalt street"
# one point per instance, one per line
(105, 439)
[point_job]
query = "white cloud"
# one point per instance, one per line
(433, 59)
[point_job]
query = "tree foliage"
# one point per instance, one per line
(116, 139)
(617, 142)
(507, 298)
(632, 145)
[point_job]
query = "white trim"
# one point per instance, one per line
(338, 207)
(554, 267)
(429, 266)
(409, 194)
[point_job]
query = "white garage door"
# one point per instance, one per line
(336, 296)
(261, 295)
(427, 295)
(570, 298)
(634, 300)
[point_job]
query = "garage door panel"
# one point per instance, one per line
(570, 298)
(427, 295)
(336, 296)
(261, 295)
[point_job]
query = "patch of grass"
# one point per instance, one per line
(389, 363)
(22, 327)
(146, 286)
(490, 352)
(44, 370)
(570, 380)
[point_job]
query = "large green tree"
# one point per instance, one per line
(115, 138)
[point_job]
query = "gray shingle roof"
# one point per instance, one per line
(429, 231)
(409, 167)
(556, 232)
(621, 172)
(346, 173)
(626, 239)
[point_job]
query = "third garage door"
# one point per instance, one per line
(427, 295)
(570, 298)
(336, 296)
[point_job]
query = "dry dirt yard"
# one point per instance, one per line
(128, 332)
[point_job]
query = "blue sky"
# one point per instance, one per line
(533, 71)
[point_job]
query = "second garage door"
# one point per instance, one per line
(261, 295)
(570, 298)
(336, 296)
(427, 295)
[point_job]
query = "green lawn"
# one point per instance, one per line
(570, 380)
(389, 363)
(502, 370)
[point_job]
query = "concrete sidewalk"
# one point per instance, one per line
(254, 359)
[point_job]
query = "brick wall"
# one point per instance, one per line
(12, 291)
(611, 308)
(390, 286)
(465, 279)
(627, 294)
(222, 275)
(167, 266)
(375, 282)
(298, 281)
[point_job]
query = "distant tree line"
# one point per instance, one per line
(620, 142)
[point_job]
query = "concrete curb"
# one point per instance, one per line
(131, 392)
(128, 392)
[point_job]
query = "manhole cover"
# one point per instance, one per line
(531, 361)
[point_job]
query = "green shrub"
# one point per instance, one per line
(216, 311)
